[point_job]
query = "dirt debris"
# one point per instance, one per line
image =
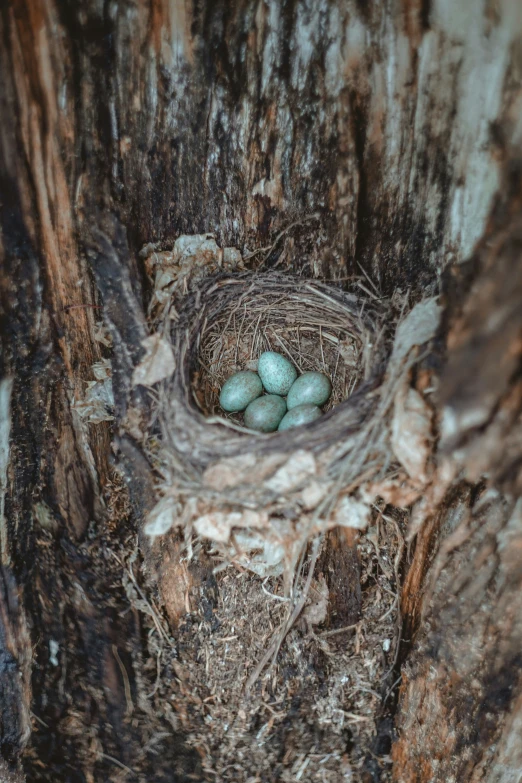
(309, 709)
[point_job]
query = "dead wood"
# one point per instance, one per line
(374, 147)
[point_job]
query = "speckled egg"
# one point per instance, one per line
(276, 372)
(310, 388)
(265, 413)
(240, 390)
(301, 414)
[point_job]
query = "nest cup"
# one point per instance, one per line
(315, 331)
(225, 325)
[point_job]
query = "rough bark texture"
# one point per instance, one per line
(391, 131)
(461, 686)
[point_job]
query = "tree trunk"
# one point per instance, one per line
(385, 139)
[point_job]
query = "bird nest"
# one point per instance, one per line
(259, 498)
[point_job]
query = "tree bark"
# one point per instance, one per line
(390, 135)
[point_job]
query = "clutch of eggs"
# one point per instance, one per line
(276, 375)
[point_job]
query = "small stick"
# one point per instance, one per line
(126, 682)
(118, 763)
(274, 648)
(338, 630)
(369, 279)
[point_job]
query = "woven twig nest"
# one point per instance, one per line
(227, 324)
(260, 497)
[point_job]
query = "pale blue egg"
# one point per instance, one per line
(239, 390)
(276, 372)
(311, 387)
(265, 413)
(301, 414)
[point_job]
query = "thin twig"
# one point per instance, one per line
(281, 634)
(336, 631)
(118, 763)
(126, 682)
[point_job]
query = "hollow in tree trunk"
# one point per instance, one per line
(377, 145)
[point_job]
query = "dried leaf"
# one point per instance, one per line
(102, 369)
(398, 492)
(162, 517)
(218, 525)
(158, 362)
(229, 472)
(261, 554)
(299, 467)
(102, 334)
(316, 611)
(419, 326)
(98, 403)
(200, 247)
(233, 471)
(411, 433)
(192, 257)
(314, 493)
(351, 512)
